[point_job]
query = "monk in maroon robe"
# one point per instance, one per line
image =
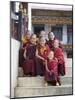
(21, 52)
(25, 40)
(30, 55)
(60, 57)
(51, 70)
(50, 42)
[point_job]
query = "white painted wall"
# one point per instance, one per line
(15, 45)
(50, 6)
(47, 30)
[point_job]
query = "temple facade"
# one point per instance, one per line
(37, 17)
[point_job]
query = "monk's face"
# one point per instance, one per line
(51, 36)
(28, 35)
(56, 43)
(42, 34)
(42, 42)
(33, 39)
(51, 55)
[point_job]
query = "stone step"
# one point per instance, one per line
(68, 62)
(69, 71)
(39, 81)
(20, 72)
(30, 81)
(65, 80)
(43, 91)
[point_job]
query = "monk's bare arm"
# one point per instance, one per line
(24, 53)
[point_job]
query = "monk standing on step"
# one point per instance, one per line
(29, 55)
(25, 40)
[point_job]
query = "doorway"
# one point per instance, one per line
(38, 28)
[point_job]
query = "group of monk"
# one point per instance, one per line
(42, 57)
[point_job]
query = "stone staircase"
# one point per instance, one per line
(34, 86)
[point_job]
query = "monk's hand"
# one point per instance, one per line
(48, 70)
(56, 59)
(45, 62)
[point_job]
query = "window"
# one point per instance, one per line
(38, 28)
(57, 31)
(69, 54)
(69, 34)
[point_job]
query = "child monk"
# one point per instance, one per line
(26, 38)
(51, 70)
(41, 54)
(29, 55)
(58, 53)
(50, 42)
(41, 34)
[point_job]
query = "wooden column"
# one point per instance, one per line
(20, 22)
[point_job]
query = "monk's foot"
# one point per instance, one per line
(57, 84)
(46, 84)
(28, 75)
(24, 75)
(41, 75)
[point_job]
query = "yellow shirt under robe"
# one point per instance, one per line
(23, 39)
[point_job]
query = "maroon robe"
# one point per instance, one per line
(29, 62)
(21, 57)
(61, 63)
(21, 52)
(27, 43)
(51, 44)
(52, 75)
(40, 66)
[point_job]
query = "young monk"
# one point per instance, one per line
(51, 70)
(41, 54)
(60, 57)
(41, 34)
(50, 42)
(26, 38)
(25, 41)
(29, 55)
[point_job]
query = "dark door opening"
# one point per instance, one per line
(38, 28)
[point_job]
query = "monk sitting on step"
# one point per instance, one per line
(58, 53)
(51, 70)
(41, 55)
